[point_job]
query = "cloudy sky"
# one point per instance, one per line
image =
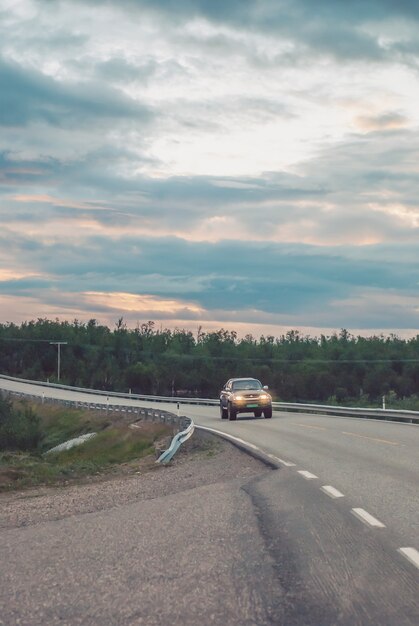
(251, 164)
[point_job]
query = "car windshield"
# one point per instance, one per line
(251, 383)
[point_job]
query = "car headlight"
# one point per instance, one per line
(238, 398)
(264, 396)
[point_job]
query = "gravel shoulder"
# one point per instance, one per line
(203, 460)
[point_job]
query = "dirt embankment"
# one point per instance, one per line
(202, 460)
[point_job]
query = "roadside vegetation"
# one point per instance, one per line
(336, 369)
(28, 431)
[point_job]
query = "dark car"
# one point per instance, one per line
(244, 395)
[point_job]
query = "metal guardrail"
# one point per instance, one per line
(395, 415)
(411, 417)
(177, 441)
(137, 412)
(142, 413)
(113, 394)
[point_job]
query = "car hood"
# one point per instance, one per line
(251, 393)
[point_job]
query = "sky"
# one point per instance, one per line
(245, 164)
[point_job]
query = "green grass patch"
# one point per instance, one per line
(60, 424)
(114, 444)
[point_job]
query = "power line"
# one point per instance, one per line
(27, 340)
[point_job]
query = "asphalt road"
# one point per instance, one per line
(337, 524)
(374, 464)
(256, 551)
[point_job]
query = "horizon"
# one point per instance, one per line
(242, 330)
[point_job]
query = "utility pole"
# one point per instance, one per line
(58, 344)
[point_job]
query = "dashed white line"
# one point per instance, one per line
(331, 491)
(367, 518)
(307, 475)
(411, 555)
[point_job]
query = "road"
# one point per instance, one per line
(374, 464)
(339, 521)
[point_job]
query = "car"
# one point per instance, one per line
(244, 395)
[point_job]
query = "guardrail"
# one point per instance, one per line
(137, 414)
(394, 415)
(113, 394)
(411, 417)
(177, 441)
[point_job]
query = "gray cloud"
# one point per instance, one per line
(349, 192)
(119, 70)
(328, 27)
(271, 11)
(28, 96)
(273, 278)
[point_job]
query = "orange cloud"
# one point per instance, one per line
(23, 308)
(140, 303)
(385, 121)
(8, 274)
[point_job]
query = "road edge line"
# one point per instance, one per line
(244, 446)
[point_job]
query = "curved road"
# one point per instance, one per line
(340, 519)
(375, 465)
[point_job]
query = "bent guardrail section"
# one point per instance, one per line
(177, 441)
(411, 417)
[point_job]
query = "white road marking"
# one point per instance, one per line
(286, 463)
(411, 555)
(249, 445)
(331, 491)
(367, 518)
(310, 426)
(307, 475)
(228, 436)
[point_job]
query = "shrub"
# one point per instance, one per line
(19, 428)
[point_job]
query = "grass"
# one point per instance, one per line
(115, 444)
(60, 424)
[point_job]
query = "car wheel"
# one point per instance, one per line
(223, 412)
(232, 413)
(267, 412)
(258, 413)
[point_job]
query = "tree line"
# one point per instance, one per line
(340, 368)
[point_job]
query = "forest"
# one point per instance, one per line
(340, 368)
